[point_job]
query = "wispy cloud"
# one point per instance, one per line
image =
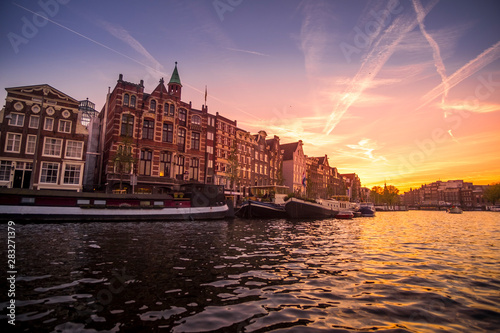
(364, 149)
(436, 53)
(486, 57)
(375, 59)
(247, 51)
(467, 106)
(122, 34)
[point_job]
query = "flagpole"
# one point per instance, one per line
(205, 95)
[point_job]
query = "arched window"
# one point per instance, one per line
(196, 120)
(152, 106)
(172, 110)
(132, 101)
(126, 98)
(195, 141)
(182, 117)
(166, 108)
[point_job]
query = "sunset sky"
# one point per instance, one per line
(406, 92)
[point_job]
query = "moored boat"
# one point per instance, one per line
(301, 209)
(258, 209)
(367, 209)
(194, 202)
(345, 215)
(455, 210)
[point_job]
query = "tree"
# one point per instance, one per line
(376, 194)
(123, 159)
(492, 193)
(390, 195)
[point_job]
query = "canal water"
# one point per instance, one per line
(415, 271)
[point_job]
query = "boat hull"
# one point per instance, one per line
(57, 206)
(256, 209)
(344, 215)
(299, 209)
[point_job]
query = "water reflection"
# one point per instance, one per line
(412, 271)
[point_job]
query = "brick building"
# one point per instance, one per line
(153, 141)
(43, 140)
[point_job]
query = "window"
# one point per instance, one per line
(168, 133)
(49, 173)
(52, 147)
(196, 120)
(34, 122)
(172, 110)
(13, 144)
(132, 101)
(74, 149)
(145, 163)
(127, 125)
(165, 163)
(182, 117)
(5, 169)
(179, 166)
(210, 150)
(30, 144)
(72, 174)
(64, 126)
(195, 141)
(152, 106)
(16, 119)
(194, 169)
(49, 124)
(210, 163)
(165, 109)
(126, 98)
(210, 135)
(181, 138)
(148, 130)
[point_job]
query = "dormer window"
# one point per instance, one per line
(126, 99)
(152, 106)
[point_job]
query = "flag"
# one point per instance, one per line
(205, 95)
(304, 179)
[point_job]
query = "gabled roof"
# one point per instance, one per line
(288, 150)
(47, 90)
(160, 88)
(175, 76)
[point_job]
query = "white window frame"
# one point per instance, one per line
(45, 124)
(42, 171)
(66, 155)
(62, 123)
(30, 142)
(13, 148)
(16, 119)
(63, 173)
(32, 118)
(45, 146)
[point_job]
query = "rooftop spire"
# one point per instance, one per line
(175, 76)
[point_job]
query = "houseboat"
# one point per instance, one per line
(191, 202)
(258, 209)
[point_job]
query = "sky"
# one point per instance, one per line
(405, 92)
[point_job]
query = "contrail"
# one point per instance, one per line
(436, 54)
(488, 56)
(83, 36)
(373, 63)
